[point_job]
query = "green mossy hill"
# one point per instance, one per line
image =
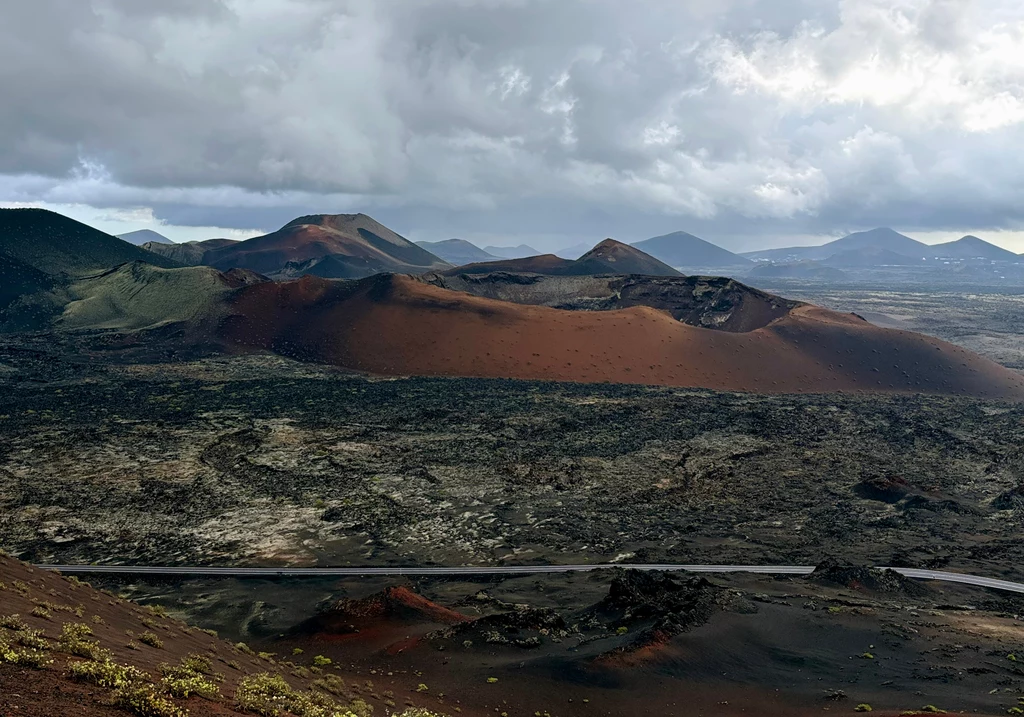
(137, 296)
(57, 245)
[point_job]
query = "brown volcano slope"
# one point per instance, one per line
(613, 257)
(343, 246)
(62, 645)
(608, 257)
(400, 326)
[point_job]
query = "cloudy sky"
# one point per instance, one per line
(749, 122)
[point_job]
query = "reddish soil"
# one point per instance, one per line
(393, 620)
(395, 325)
(49, 692)
(398, 602)
(315, 237)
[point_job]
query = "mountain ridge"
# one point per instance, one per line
(353, 246)
(607, 257)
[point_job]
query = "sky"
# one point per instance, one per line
(751, 123)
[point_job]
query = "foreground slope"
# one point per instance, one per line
(67, 649)
(347, 245)
(396, 325)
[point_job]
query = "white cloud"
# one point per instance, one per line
(736, 116)
(927, 61)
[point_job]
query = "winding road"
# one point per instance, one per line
(186, 571)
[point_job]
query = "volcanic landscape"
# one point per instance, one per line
(598, 411)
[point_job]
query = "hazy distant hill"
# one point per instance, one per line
(971, 247)
(144, 236)
(882, 238)
(573, 252)
(456, 251)
(512, 252)
(352, 245)
(686, 250)
(885, 247)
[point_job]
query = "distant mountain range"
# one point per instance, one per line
(46, 250)
(885, 247)
(144, 236)
(876, 248)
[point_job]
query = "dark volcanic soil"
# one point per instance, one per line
(258, 460)
(618, 642)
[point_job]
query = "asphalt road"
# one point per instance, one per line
(186, 571)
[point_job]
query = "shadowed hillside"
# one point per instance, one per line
(56, 245)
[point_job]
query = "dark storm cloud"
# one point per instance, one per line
(548, 117)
